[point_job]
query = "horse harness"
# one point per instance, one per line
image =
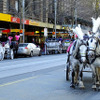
(94, 50)
(78, 56)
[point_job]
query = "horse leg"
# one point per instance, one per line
(81, 84)
(67, 71)
(72, 82)
(93, 76)
(97, 76)
(76, 75)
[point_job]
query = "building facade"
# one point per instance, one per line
(39, 14)
(43, 10)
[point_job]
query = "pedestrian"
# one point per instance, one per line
(10, 38)
(17, 37)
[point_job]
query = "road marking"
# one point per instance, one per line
(14, 82)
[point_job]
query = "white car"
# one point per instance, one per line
(28, 49)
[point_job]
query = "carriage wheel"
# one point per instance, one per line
(11, 54)
(67, 72)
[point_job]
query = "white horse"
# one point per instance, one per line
(76, 58)
(94, 58)
(94, 53)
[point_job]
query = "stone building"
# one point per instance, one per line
(41, 13)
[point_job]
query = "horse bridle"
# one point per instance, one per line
(79, 56)
(94, 50)
(93, 37)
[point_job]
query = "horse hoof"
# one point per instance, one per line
(72, 86)
(81, 85)
(94, 87)
(97, 83)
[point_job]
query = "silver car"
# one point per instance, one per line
(29, 49)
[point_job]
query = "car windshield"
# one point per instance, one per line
(23, 45)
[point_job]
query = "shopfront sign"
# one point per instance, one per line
(16, 30)
(6, 31)
(26, 22)
(15, 19)
(29, 33)
(5, 17)
(31, 22)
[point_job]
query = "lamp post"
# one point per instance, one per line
(23, 3)
(55, 15)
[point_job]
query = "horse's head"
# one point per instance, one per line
(83, 52)
(94, 40)
(92, 45)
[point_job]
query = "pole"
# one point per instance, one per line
(75, 16)
(45, 47)
(55, 15)
(23, 3)
(76, 13)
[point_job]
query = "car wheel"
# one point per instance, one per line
(31, 54)
(39, 53)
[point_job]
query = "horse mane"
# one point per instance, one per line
(75, 50)
(98, 48)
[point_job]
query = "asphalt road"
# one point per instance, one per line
(46, 83)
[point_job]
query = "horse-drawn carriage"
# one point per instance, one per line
(81, 57)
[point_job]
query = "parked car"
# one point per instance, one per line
(65, 44)
(28, 49)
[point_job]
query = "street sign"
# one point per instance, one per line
(45, 32)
